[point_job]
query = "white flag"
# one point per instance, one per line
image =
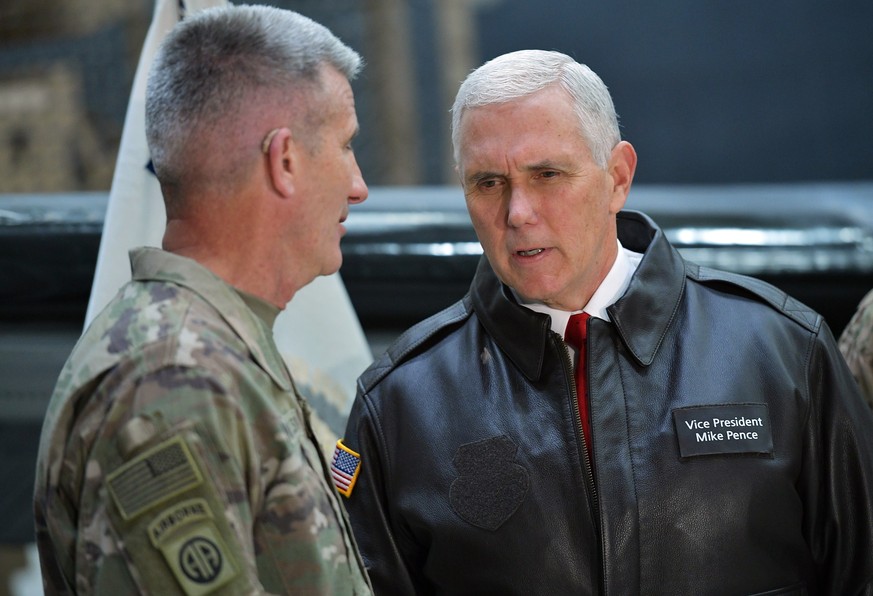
(318, 333)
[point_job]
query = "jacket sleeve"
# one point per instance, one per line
(838, 473)
(388, 550)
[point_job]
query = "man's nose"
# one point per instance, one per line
(359, 192)
(521, 208)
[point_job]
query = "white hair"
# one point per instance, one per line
(522, 73)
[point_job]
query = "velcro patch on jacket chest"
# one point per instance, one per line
(724, 429)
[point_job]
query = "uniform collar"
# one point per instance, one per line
(152, 264)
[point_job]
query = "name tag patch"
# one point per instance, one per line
(724, 429)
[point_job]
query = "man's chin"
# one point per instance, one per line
(529, 294)
(333, 267)
(526, 292)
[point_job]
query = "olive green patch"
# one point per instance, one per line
(179, 515)
(153, 477)
(199, 558)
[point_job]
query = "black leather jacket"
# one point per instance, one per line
(474, 478)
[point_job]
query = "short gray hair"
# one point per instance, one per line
(215, 61)
(522, 73)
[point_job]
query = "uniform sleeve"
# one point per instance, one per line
(165, 505)
(213, 491)
(838, 473)
(856, 345)
(390, 555)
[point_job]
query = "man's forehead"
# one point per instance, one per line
(491, 153)
(333, 81)
(335, 96)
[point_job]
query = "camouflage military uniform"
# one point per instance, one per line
(176, 456)
(856, 344)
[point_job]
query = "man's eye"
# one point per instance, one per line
(548, 174)
(489, 185)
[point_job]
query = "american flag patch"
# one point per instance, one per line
(344, 468)
(153, 477)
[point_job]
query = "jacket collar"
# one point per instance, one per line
(641, 317)
(644, 314)
(520, 332)
(158, 265)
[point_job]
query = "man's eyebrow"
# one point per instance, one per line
(544, 165)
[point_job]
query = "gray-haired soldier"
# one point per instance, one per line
(176, 455)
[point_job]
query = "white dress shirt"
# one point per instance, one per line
(608, 292)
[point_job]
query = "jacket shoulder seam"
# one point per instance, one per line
(765, 292)
(412, 339)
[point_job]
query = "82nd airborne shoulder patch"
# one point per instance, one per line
(344, 468)
(193, 547)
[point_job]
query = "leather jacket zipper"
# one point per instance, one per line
(588, 469)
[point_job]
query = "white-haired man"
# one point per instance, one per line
(598, 415)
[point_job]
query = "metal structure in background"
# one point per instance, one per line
(411, 251)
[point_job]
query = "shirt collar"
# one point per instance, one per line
(155, 264)
(608, 292)
(264, 310)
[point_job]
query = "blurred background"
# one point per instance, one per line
(709, 92)
(752, 120)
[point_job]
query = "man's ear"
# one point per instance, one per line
(621, 167)
(281, 160)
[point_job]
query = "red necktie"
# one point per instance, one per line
(576, 335)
